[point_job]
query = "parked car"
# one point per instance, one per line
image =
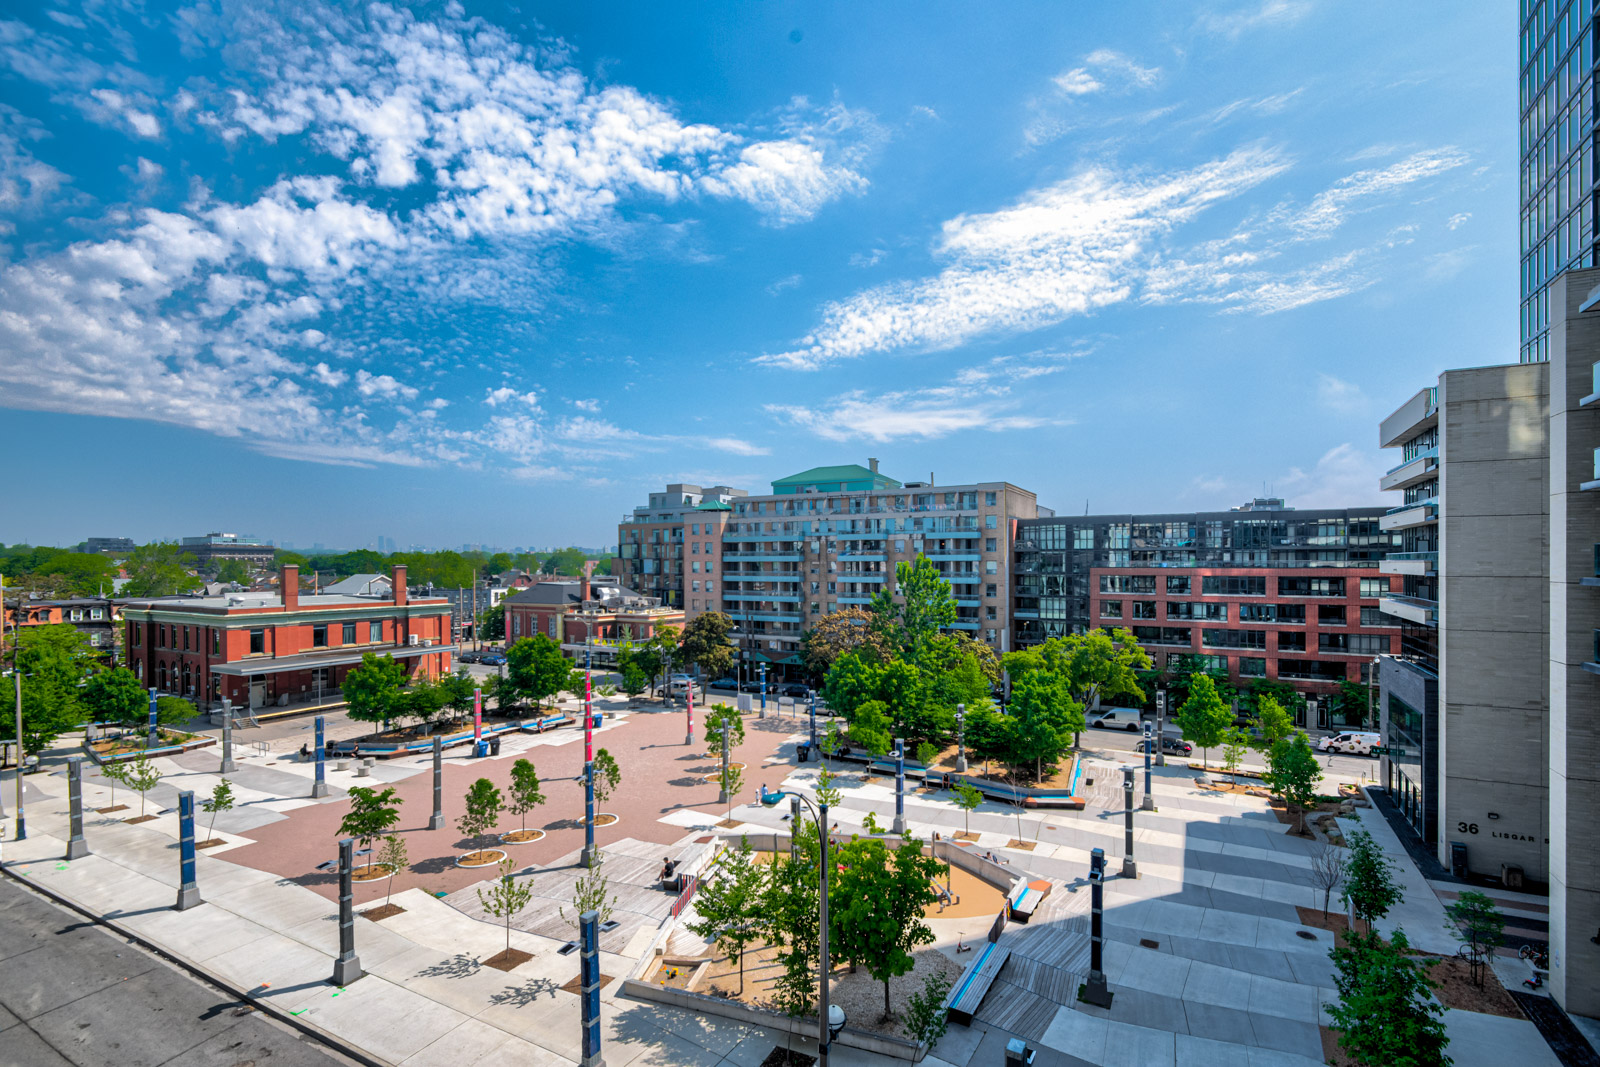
(1172, 746)
(1355, 743)
(493, 659)
(1116, 719)
(751, 685)
(729, 683)
(468, 656)
(794, 689)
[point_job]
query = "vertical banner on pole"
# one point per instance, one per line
(188, 890)
(1129, 868)
(436, 820)
(477, 720)
(899, 826)
(961, 739)
(228, 766)
(319, 785)
(151, 741)
(1150, 742)
(77, 847)
(587, 858)
(347, 968)
(1096, 993)
(813, 723)
(589, 985)
(688, 737)
(763, 690)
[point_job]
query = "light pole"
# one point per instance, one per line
(1161, 726)
(763, 669)
(813, 698)
(688, 735)
(1129, 868)
(961, 739)
(827, 1028)
(1150, 742)
(1370, 719)
(22, 818)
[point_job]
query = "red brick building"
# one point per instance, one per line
(280, 649)
(578, 610)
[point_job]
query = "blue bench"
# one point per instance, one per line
(974, 983)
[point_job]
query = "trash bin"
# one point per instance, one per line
(1018, 1052)
(494, 746)
(803, 752)
(1458, 858)
(481, 749)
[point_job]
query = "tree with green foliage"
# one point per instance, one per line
(591, 892)
(1288, 697)
(789, 906)
(536, 668)
(455, 692)
(372, 690)
(235, 571)
(483, 807)
(54, 660)
(1479, 926)
(567, 561)
(160, 569)
(635, 679)
(720, 718)
(1293, 773)
(876, 903)
(661, 654)
(852, 629)
(492, 623)
(1386, 1015)
(926, 753)
(729, 904)
(927, 1017)
(114, 773)
(1181, 671)
(1272, 722)
(1355, 702)
(1235, 742)
(607, 776)
(525, 793)
(919, 607)
(988, 734)
(730, 779)
(827, 792)
(1203, 717)
(1371, 886)
(116, 696)
(869, 728)
(855, 678)
(141, 775)
(505, 897)
(172, 711)
(705, 643)
(392, 856)
(1042, 720)
(372, 813)
(220, 800)
(77, 573)
(968, 797)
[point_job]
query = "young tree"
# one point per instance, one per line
(607, 776)
(876, 905)
(114, 773)
(789, 905)
(392, 855)
(1370, 885)
(1204, 716)
(827, 792)
(140, 774)
(731, 780)
(926, 1016)
(1043, 718)
(635, 679)
(1386, 1015)
(967, 799)
(705, 643)
(220, 800)
(1293, 774)
(870, 727)
(505, 898)
(484, 805)
(525, 794)
(1355, 700)
(729, 904)
(1479, 925)
(536, 668)
(663, 647)
(719, 718)
(927, 752)
(372, 690)
(372, 813)
(1234, 744)
(591, 892)
(455, 692)
(1327, 871)
(1272, 721)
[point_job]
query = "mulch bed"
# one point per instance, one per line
(1026, 846)
(576, 985)
(1453, 976)
(604, 820)
(782, 1057)
(1335, 922)
(728, 824)
(1331, 1052)
(483, 857)
(140, 818)
(964, 836)
(112, 808)
(521, 837)
(508, 960)
(210, 842)
(382, 911)
(370, 874)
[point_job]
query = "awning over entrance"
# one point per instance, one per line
(282, 664)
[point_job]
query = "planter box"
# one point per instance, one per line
(161, 750)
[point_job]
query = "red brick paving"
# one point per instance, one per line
(660, 775)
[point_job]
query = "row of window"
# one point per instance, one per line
(1241, 585)
(967, 501)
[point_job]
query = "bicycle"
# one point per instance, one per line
(1539, 958)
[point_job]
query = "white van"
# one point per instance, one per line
(1360, 744)
(1116, 719)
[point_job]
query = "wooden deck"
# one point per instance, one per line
(975, 981)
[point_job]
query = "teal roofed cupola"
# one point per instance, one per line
(848, 478)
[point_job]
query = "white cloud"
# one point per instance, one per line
(1077, 82)
(1344, 476)
(505, 394)
(328, 376)
(1328, 210)
(736, 447)
(1267, 13)
(925, 414)
(1458, 220)
(1116, 63)
(1340, 396)
(149, 171)
(383, 385)
(786, 282)
(109, 105)
(591, 406)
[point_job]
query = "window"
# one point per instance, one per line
(989, 590)
(695, 603)
(1083, 537)
(899, 546)
(258, 642)
(97, 613)
(1374, 587)
(988, 635)
(991, 522)
(831, 592)
(990, 612)
(696, 588)
(1144, 609)
(77, 614)
(694, 528)
(708, 585)
(1183, 609)
(1353, 644)
(1219, 585)
(552, 624)
(1109, 609)
(1330, 615)
(516, 625)
(1163, 635)
(1369, 617)
(816, 587)
(138, 635)
(1127, 583)
(374, 632)
(988, 502)
(1177, 586)
(816, 609)
(161, 635)
(1279, 614)
(186, 638)
(1302, 586)
(1234, 638)
(1291, 641)
(988, 544)
(348, 636)
(1252, 667)
(708, 566)
(319, 636)
(216, 642)
(695, 565)
(991, 566)
(694, 548)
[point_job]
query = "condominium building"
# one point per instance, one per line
(1262, 591)
(650, 540)
(217, 547)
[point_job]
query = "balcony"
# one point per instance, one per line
(1412, 417)
(1593, 666)
(1594, 482)
(1409, 515)
(1595, 581)
(1413, 470)
(1421, 564)
(1594, 387)
(1410, 608)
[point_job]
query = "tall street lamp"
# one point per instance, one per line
(961, 739)
(830, 1018)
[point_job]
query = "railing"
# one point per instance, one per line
(1429, 502)
(1431, 557)
(693, 883)
(1432, 453)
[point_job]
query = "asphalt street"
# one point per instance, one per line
(73, 993)
(1118, 745)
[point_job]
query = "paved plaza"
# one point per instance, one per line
(1205, 953)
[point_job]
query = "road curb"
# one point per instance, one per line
(310, 1030)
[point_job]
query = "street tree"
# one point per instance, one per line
(607, 776)
(849, 629)
(53, 660)
(1272, 722)
(1386, 1015)
(876, 906)
(492, 623)
(1235, 742)
(968, 798)
(159, 569)
(220, 800)
(722, 718)
(919, 607)
(730, 904)
(1327, 871)
(392, 857)
(730, 780)
(1355, 701)
(1478, 925)
(142, 776)
(705, 643)
(373, 812)
(1042, 720)
(927, 752)
(662, 648)
(1287, 696)
(372, 690)
(870, 727)
(483, 808)
(505, 897)
(116, 696)
(789, 905)
(536, 668)
(1293, 773)
(1371, 886)
(524, 791)
(635, 679)
(590, 892)
(827, 792)
(1204, 716)
(927, 1015)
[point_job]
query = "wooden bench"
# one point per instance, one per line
(1025, 898)
(974, 983)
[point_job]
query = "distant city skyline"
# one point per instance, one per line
(258, 272)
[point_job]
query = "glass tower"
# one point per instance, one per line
(1556, 105)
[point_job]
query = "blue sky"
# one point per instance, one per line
(490, 273)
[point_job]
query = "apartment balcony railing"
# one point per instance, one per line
(1415, 609)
